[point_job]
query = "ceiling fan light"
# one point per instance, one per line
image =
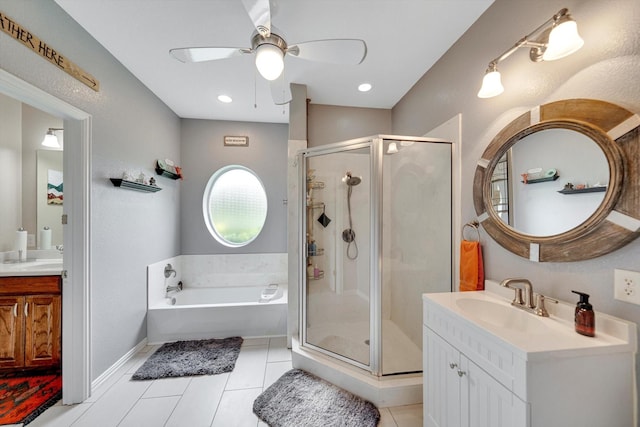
(491, 84)
(50, 140)
(563, 40)
(269, 61)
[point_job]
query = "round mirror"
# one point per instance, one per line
(529, 188)
(559, 183)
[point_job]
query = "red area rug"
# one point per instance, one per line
(22, 399)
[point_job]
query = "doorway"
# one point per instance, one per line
(76, 281)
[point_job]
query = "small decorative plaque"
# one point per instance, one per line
(236, 141)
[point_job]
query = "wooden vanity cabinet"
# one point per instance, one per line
(30, 322)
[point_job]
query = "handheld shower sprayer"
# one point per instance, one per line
(348, 235)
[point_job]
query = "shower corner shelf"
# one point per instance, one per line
(319, 252)
(318, 277)
(319, 205)
(315, 184)
(123, 183)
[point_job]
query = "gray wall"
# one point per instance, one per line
(330, 123)
(131, 128)
(607, 67)
(203, 153)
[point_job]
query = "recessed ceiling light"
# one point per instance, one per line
(224, 98)
(364, 87)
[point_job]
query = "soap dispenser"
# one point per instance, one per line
(585, 317)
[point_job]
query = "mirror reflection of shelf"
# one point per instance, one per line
(583, 190)
(315, 184)
(318, 205)
(535, 181)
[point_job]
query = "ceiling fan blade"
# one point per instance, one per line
(201, 54)
(260, 13)
(334, 51)
(280, 91)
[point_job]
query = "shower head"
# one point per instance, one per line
(351, 180)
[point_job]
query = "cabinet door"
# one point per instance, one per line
(42, 341)
(11, 332)
(490, 404)
(441, 383)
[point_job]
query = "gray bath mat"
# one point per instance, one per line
(188, 358)
(301, 399)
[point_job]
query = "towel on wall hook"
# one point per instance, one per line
(471, 265)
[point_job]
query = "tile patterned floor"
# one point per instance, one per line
(224, 400)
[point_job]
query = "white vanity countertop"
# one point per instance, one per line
(535, 337)
(39, 263)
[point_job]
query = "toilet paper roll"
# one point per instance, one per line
(45, 238)
(21, 244)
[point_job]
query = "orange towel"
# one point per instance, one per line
(471, 268)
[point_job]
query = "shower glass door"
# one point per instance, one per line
(415, 243)
(337, 258)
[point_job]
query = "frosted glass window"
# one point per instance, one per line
(234, 206)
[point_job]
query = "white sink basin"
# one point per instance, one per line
(501, 315)
(528, 334)
(32, 267)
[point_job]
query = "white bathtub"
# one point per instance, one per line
(219, 312)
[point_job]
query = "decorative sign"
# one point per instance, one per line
(24, 36)
(236, 141)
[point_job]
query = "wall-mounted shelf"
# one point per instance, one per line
(134, 185)
(169, 171)
(584, 190)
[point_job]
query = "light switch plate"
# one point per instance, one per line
(626, 285)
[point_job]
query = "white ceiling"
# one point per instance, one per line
(404, 39)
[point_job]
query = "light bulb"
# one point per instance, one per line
(563, 41)
(50, 140)
(269, 61)
(491, 85)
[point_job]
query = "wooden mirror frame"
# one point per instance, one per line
(615, 223)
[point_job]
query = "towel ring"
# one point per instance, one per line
(473, 224)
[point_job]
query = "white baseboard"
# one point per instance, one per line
(113, 368)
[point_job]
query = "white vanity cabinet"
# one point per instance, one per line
(459, 393)
(481, 370)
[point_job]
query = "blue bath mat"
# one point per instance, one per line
(299, 398)
(189, 358)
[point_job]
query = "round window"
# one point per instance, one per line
(234, 206)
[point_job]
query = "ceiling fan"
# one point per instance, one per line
(270, 48)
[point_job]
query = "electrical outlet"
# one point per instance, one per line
(626, 285)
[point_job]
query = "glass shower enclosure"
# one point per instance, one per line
(375, 235)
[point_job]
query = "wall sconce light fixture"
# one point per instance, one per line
(51, 139)
(556, 38)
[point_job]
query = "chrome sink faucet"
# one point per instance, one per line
(527, 304)
(526, 286)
